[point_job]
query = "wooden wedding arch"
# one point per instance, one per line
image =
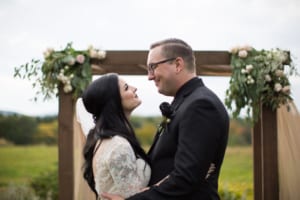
(209, 63)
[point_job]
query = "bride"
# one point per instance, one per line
(114, 161)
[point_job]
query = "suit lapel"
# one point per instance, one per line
(154, 141)
(178, 100)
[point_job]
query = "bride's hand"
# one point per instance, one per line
(111, 196)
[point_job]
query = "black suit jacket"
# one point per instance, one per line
(196, 137)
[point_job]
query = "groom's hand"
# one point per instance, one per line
(111, 196)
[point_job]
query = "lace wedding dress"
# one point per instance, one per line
(117, 170)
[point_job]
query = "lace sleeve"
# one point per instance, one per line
(126, 172)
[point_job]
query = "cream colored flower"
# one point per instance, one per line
(269, 55)
(268, 78)
(234, 50)
(249, 67)
(60, 76)
(280, 56)
(243, 71)
(279, 73)
(68, 88)
(64, 79)
(71, 61)
(101, 54)
(93, 53)
(243, 54)
(247, 48)
(48, 52)
(277, 87)
(250, 80)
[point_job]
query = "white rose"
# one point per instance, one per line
(71, 61)
(250, 80)
(249, 67)
(243, 54)
(243, 71)
(48, 52)
(93, 53)
(247, 48)
(277, 87)
(268, 78)
(279, 73)
(101, 54)
(280, 56)
(64, 79)
(60, 76)
(68, 88)
(269, 55)
(234, 50)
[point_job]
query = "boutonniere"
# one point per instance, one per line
(167, 112)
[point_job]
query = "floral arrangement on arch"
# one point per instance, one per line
(258, 77)
(68, 68)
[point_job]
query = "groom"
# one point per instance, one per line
(187, 155)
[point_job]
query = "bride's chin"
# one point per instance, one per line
(139, 103)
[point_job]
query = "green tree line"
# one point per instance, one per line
(24, 130)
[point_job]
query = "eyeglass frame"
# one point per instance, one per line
(153, 66)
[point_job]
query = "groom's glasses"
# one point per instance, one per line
(153, 66)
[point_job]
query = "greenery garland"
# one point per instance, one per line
(68, 68)
(258, 77)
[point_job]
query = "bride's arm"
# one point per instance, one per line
(124, 171)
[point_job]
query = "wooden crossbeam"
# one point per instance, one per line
(209, 63)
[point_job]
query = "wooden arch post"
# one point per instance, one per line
(209, 63)
(265, 153)
(65, 146)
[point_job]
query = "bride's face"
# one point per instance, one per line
(129, 97)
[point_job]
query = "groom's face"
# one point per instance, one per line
(161, 70)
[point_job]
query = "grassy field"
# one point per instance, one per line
(18, 164)
(237, 171)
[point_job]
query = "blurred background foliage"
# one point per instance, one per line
(29, 156)
(26, 130)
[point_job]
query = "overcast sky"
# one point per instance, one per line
(28, 27)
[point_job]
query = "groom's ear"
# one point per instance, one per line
(179, 64)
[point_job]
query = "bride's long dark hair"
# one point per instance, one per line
(103, 100)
